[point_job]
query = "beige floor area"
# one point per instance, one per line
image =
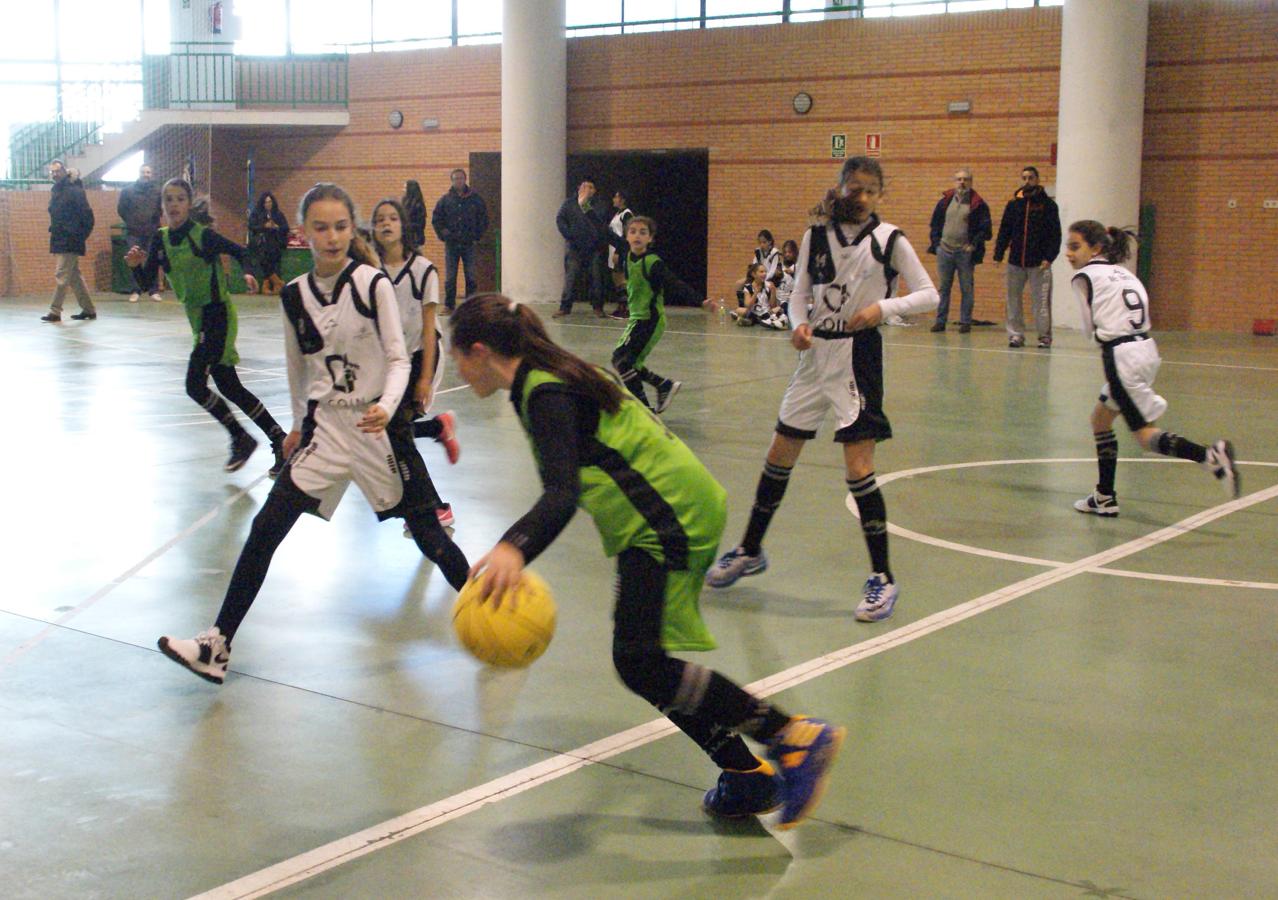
(1062, 706)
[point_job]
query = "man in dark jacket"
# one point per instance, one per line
(460, 220)
(584, 227)
(960, 227)
(139, 207)
(70, 224)
(1031, 230)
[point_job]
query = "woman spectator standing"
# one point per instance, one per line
(268, 235)
(415, 208)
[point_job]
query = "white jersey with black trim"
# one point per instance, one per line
(416, 286)
(346, 348)
(1113, 301)
(848, 270)
(771, 260)
(618, 227)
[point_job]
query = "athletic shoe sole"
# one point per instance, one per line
(168, 651)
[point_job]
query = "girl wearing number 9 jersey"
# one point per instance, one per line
(1115, 310)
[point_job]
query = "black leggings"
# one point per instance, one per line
(283, 507)
(706, 706)
(204, 362)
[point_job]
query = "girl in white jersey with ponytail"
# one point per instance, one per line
(416, 283)
(845, 282)
(347, 370)
(1116, 311)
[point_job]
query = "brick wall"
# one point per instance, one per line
(1212, 95)
(26, 266)
(1211, 100)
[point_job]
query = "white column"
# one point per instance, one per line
(534, 147)
(1100, 124)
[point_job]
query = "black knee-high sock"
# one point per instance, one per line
(284, 505)
(437, 546)
(228, 382)
(705, 705)
(709, 708)
(634, 381)
(873, 509)
(1169, 443)
(428, 428)
(767, 497)
(653, 378)
(1106, 460)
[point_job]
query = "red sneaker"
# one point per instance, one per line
(448, 436)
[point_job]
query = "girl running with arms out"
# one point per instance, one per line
(846, 278)
(416, 283)
(188, 251)
(347, 370)
(661, 513)
(1115, 311)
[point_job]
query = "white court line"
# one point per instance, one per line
(971, 550)
(392, 831)
(27, 645)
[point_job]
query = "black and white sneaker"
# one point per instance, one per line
(1220, 462)
(207, 654)
(1098, 504)
(665, 394)
(277, 447)
(242, 447)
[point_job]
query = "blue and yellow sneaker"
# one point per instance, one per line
(740, 794)
(804, 751)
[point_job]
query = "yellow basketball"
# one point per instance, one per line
(511, 635)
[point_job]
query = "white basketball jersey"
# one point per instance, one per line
(416, 287)
(346, 349)
(840, 272)
(1114, 302)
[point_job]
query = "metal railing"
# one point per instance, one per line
(33, 146)
(196, 77)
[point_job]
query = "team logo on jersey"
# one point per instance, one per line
(342, 371)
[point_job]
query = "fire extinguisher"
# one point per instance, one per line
(215, 17)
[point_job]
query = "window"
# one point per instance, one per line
(405, 24)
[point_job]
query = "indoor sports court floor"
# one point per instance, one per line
(1062, 706)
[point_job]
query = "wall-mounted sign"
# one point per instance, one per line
(838, 146)
(873, 144)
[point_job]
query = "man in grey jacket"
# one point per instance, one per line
(139, 207)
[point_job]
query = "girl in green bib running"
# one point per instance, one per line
(661, 513)
(188, 251)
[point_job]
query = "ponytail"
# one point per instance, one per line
(512, 329)
(361, 252)
(1115, 243)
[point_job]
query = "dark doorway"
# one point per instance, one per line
(485, 178)
(671, 186)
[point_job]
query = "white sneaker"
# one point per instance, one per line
(1098, 504)
(1220, 462)
(156, 297)
(133, 298)
(733, 565)
(206, 654)
(878, 599)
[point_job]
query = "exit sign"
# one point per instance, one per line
(838, 146)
